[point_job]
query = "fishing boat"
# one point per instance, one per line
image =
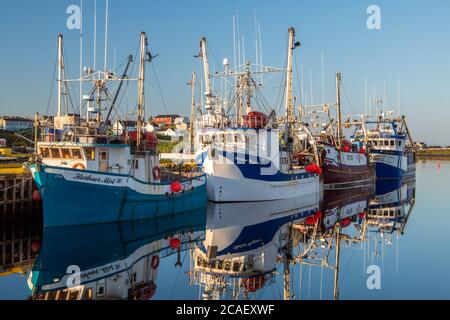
(345, 164)
(88, 173)
(391, 146)
(392, 205)
(241, 252)
(345, 206)
(114, 260)
(250, 156)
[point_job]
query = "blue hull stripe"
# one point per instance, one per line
(77, 203)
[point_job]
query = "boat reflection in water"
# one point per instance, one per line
(364, 221)
(244, 244)
(392, 205)
(115, 261)
(237, 251)
(250, 246)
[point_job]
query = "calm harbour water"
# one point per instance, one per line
(413, 265)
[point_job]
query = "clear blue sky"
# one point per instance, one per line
(412, 45)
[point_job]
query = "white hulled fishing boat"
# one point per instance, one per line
(251, 156)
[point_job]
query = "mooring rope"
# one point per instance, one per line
(14, 185)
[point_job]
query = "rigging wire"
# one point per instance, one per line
(52, 85)
(159, 88)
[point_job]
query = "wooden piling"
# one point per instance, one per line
(16, 193)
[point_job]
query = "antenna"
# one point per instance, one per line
(311, 85)
(384, 98)
(243, 49)
(365, 97)
(234, 39)
(398, 97)
(323, 84)
(95, 35)
(81, 55)
(256, 41)
(106, 36)
(238, 37)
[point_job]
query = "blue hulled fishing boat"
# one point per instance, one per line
(88, 173)
(391, 147)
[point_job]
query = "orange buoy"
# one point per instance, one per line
(79, 166)
(176, 187)
(318, 215)
(346, 222)
(312, 168)
(36, 246)
(174, 243)
(36, 195)
(310, 221)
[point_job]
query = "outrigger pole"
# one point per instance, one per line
(192, 118)
(289, 106)
(60, 71)
(338, 105)
(141, 97)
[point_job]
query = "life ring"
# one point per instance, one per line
(155, 262)
(79, 166)
(156, 173)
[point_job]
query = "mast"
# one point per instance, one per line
(140, 111)
(207, 75)
(338, 104)
(336, 268)
(288, 103)
(60, 71)
(192, 111)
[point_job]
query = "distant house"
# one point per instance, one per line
(182, 123)
(421, 145)
(12, 123)
(167, 120)
(149, 127)
(124, 126)
(174, 134)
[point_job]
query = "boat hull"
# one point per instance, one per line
(394, 166)
(232, 181)
(223, 189)
(343, 170)
(101, 198)
(343, 176)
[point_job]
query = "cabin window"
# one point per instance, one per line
(76, 154)
(88, 294)
(386, 143)
(399, 143)
(63, 295)
(103, 156)
(55, 153)
(136, 164)
(375, 143)
(73, 295)
(392, 143)
(100, 290)
(44, 152)
(65, 153)
(90, 154)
